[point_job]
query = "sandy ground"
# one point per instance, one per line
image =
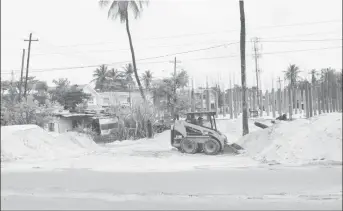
(72, 172)
(314, 188)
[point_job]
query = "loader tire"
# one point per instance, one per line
(189, 146)
(211, 147)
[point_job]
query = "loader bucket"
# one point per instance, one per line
(232, 148)
(236, 146)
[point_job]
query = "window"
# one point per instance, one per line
(91, 100)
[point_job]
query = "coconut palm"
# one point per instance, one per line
(292, 74)
(61, 82)
(114, 79)
(127, 74)
(100, 77)
(314, 73)
(147, 79)
(121, 9)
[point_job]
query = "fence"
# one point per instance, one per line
(308, 100)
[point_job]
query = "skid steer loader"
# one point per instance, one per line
(198, 133)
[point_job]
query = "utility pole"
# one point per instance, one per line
(257, 55)
(28, 61)
(21, 74)
(174, 87)
(243, 76)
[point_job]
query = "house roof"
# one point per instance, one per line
(76, 114)
(66, 113)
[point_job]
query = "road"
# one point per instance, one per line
(314, 188)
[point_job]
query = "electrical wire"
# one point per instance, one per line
(206, 33)
(206, 58)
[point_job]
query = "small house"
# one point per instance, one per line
(65, 121)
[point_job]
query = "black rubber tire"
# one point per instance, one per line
(211, 147)
(189, 147)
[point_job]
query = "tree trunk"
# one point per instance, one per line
(244, 89)
(134, 59)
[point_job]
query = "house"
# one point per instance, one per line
(100, 100)
(94, 99)
(122, 98)
(197, 95)
(64, 121)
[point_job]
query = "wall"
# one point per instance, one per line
(64, 124)
(88, 90)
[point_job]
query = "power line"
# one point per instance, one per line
(322, 40)
(157, 57)
(268, 53)
(127, 49)
(307, 34)
(267, 41)
(205, 58)
(206, 33)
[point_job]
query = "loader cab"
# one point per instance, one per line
(203, 119)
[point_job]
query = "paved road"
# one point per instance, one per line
(278, 188)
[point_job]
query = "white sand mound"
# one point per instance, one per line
(160, 142)
(232, 128)
(32, 142)
(316, 140)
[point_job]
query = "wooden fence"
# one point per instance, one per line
(308, 101)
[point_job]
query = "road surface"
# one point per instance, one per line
(314, 188)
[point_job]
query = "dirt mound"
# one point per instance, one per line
(301, 141)
(32, 142)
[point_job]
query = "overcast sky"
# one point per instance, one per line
(77, 33)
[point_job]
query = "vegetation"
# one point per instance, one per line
(120, 9)
(113, 80)
(292, 74)
(163, 93)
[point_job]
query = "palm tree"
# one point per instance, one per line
(314, 73)
(100, 77)
(61, 82)
(127, 74)
(292, 74)
(121, 9)
(114, 79)
(147, 79)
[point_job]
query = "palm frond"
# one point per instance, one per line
(119, 9)
(104, 3)
(135, 8)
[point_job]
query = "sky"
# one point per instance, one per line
(75, 36)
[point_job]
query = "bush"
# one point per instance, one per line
(25, 113)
